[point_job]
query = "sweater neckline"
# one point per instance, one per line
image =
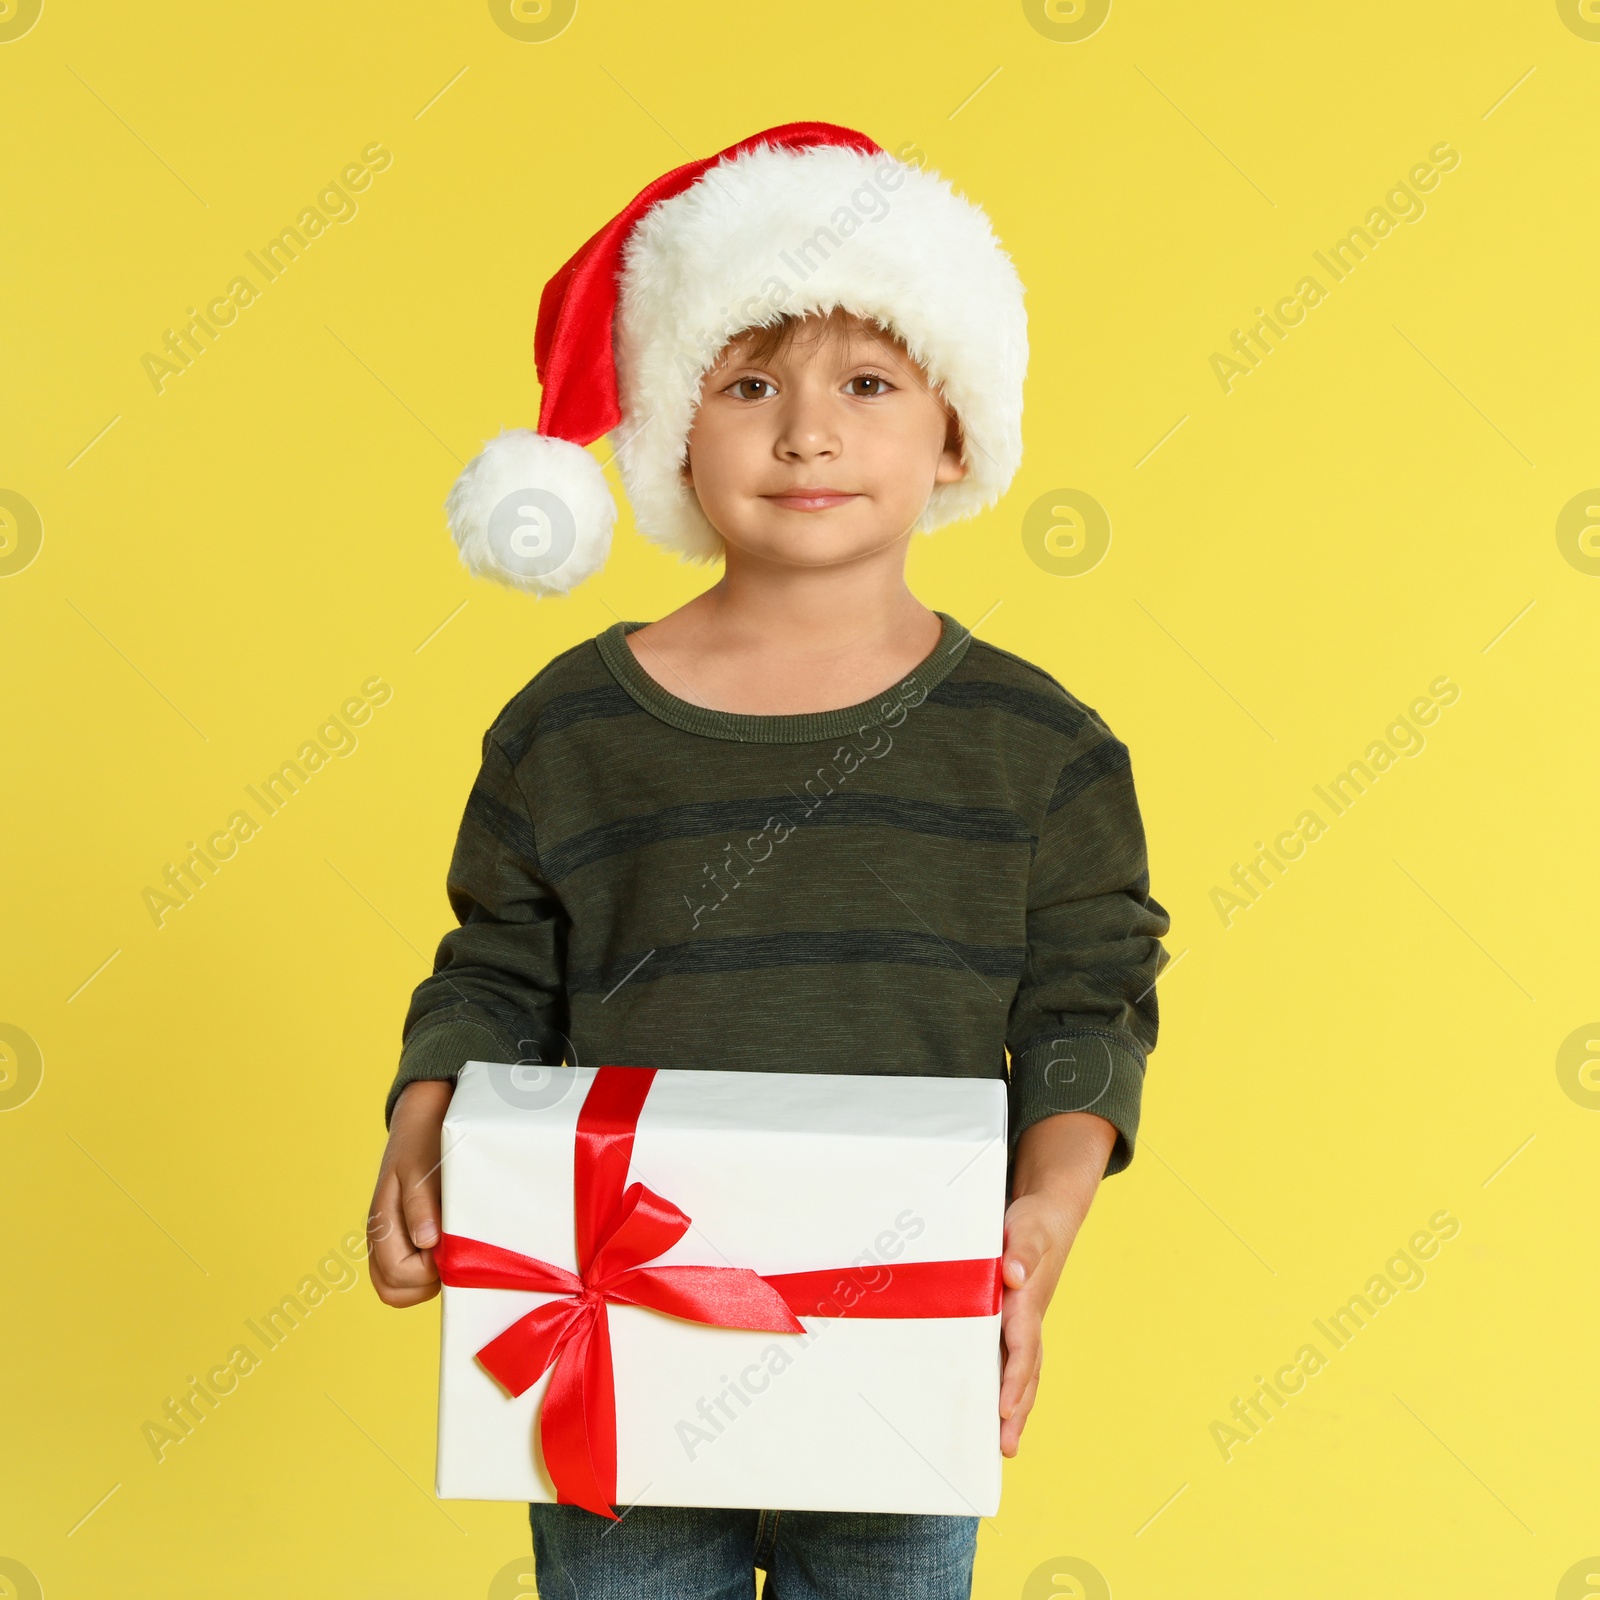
(787, 728)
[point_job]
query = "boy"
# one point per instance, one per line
(913, 879)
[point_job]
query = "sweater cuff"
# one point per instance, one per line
(440, 1052)
(1085, 1071)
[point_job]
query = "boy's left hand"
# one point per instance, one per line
(1059, 1163)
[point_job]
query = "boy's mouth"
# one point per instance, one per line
(823, 499)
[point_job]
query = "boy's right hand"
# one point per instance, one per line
(403, 1222)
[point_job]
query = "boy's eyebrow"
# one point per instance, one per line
(859, 346)
(903, 359)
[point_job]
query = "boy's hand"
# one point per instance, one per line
(1060, 1161)
(403, 1223)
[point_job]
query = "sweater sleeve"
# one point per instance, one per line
(1084, 1017)
(497, 992)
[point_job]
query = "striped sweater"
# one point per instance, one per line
(924, 884)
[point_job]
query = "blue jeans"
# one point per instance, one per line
(688, 1553)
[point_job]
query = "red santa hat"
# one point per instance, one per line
(800, 219)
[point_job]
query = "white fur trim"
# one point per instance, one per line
(532, 512)
(774, 231)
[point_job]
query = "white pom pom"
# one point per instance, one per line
(532, 512)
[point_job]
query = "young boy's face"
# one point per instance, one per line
(821, 453)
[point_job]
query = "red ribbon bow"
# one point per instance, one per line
(618, 1230)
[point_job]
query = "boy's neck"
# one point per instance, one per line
(770, 640)
(827, 612)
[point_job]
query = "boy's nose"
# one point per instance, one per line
(806, 434)
(810, 447)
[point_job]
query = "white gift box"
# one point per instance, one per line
(779, 1173)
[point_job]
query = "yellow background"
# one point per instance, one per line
(1373, 1040)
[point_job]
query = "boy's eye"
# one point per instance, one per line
(750, 388)
(875, 385)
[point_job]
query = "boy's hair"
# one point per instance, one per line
(766, 340)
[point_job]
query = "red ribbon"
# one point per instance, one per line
(619, 1230)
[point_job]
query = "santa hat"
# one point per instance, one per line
(800, 219)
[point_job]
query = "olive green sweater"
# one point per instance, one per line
(920, 884)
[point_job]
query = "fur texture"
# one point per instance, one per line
(532, 512)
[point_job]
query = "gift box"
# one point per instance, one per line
(768, 1290)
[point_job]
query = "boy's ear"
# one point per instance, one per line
(952, 467)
